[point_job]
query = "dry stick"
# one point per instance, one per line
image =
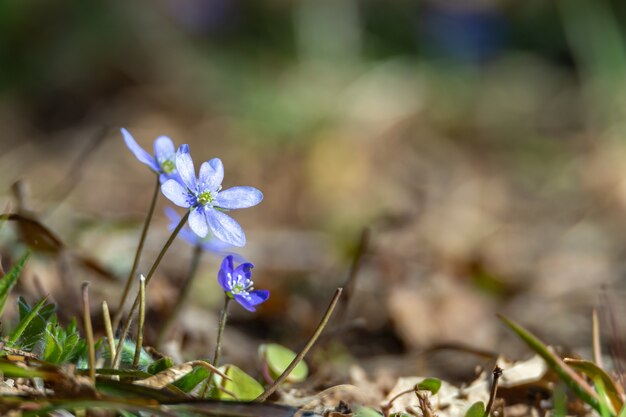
(595, 334)
(182, 295)
(352, 275)
(109, 330)
(142, 318)
(497, 373)
(320, 327)
(89, 332)
(133, 270)
(159, 258)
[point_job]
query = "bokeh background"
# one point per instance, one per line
(481, 143)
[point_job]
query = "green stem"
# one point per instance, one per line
(158, 259)
(133, 270)
(220, 331)
(218, 343)
(142, 318)
(182, 295)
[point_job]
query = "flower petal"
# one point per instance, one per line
(176, 193)
(164, 149)
(197, 222)
(222, 275)
(225, 228)
(211, 175)
(140, 153)
(239, 197)
(259, 296)
(244, 269)
(184, 165)
(244, 303)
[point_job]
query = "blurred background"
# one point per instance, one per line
(481, 143)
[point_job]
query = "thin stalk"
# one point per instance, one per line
(142, 318)
(218, 342)
(89, 333)
(158, 259)
(220, 331)
(182, 295)
(108, 328)
(320, 327)
(497, 373)
(133, 270)
(595, 336)
(120, 344)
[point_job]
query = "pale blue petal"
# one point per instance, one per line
(239, 197)
(140, 153)
(184, 165)
(222, 275)
(211, 175)
(197, 222)
(164, 149)
(225, 228)
(175, 192)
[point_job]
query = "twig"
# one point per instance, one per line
(595, 334)
(350, 281)
(320, 327)
(497, 373)
(142, 318)
(133, 270)
(109, 331)
(89, 332)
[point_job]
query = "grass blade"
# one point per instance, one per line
(611, 389)
(23, 324)
(9, 280)
(567, 375)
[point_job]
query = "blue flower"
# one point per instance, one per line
(206, 200)
(208, 243)
(163, 162)
(237, 284)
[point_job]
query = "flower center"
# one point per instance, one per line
(168, 166)
(206, 197)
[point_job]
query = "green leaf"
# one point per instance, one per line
(605, 409)
(278, 358)
(430, 384)
(8, 281)
(567, 375)
(160, 365)
(192, 379)
(476, 410)
(22, 328)
(593, 371)
(367, 412)
(241, 387)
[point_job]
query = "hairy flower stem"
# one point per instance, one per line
(218, 343)
(142, 318)
(158, 259)
(182, 295)
(133, 270)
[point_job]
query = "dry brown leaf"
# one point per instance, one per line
(164, 378)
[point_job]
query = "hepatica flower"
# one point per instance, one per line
(206, 200)
(238, 284)
(163, 162)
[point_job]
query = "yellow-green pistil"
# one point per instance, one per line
(206, 197)
(168, 166)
